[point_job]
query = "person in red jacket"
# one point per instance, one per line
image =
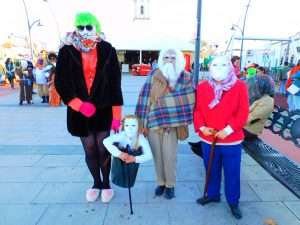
(88, 79)
(221, 111)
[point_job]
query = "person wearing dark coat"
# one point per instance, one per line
(26, 82)
(88, 79)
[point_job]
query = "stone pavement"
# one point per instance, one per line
(43, 178)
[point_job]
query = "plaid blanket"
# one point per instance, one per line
(171, 110)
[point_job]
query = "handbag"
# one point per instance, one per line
(182, 132)
(124, 174)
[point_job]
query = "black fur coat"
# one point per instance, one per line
(105, 91)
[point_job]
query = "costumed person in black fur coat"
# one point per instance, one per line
(88, 79)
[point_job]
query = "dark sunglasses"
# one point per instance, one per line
(87, 27)
(169, 57)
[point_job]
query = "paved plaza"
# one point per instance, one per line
(43, 178)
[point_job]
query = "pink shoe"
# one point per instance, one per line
(92, 194)
(107, 195)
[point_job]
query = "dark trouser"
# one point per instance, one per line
(11, 81)
(97, 158)
(25, 92)
(228, 156)
(249, 136)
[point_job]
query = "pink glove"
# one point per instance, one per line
(115, 125)
(87, 109)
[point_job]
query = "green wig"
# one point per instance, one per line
(86, 18)
(251, 72)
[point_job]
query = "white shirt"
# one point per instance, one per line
(124, 141)
(41, 75)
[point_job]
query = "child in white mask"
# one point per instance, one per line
(130, 135)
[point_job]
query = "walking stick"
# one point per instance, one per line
(128, 180)
(129, 191)
(210, 161)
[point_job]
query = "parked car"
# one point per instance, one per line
(140, 69)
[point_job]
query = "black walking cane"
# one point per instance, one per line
(128, 180)
(129, 191)
(210, 162)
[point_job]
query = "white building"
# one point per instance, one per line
(142, 32)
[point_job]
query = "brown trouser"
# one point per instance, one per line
(163, 144)
(43, 90)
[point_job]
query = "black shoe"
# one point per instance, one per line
(159, 190)
(206, 200)
(236, 212)
(170, 193)
(21, 103)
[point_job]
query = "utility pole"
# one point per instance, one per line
(243, 34)
(197, 46)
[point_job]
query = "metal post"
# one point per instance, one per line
(141, 60)
(197, 46)
(29, 29)
(243, 32)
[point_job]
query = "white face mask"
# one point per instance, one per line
(87, 32)
(131, 127)
(220, 68)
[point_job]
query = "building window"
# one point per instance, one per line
(141, 9)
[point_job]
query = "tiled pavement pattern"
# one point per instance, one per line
(43, 178)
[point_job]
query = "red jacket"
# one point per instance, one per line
(232, 110)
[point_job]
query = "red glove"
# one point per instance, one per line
(87, 109)
(115, 125)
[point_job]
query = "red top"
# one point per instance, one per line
(232, 110)
(89, 62)
(292, 72)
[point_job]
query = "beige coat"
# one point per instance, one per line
(260, 110)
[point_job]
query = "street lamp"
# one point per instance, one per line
(234, 27)
(29, 26)
(242, 32)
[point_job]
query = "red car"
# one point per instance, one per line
(140, 69)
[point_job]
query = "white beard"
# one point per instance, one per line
(169, 72)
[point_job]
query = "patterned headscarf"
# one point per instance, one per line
(79, 42)
(225, 85)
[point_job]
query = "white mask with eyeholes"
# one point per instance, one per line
(220, 68)
(131, 127)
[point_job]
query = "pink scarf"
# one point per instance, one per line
(225, 85)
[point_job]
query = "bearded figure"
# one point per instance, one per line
(88, 79)
(165, 108)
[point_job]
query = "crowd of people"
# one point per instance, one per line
(41, 75)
